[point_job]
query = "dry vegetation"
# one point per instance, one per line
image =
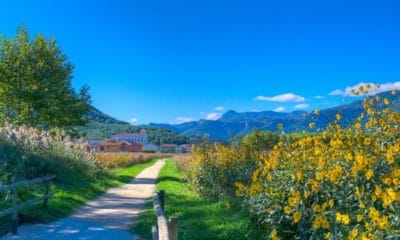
(124, 159)
(182, 161)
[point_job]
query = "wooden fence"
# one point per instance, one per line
(166, 229)
(14, 195)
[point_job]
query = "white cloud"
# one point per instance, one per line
(301, 106)
(134, 120)
(219, 108)
(319, 97)
(255, 110)
(279, 109)
(212, 116)
(184, 119)
(287, 97)
(337, 92)
(375, 88)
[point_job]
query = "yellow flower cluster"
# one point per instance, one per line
(344, 182)
(339, 183)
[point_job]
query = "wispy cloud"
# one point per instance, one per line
(337, 92)
(255, 110)
(287, 97)
(134, 120)
(184, 119)
(301, 106)
(279, 109)
(375, 89)
(319, 97)
(219, 108)
(212, 116)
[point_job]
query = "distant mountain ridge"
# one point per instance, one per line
(235, 123)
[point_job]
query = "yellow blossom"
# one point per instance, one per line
(296, 217)
(342, 218)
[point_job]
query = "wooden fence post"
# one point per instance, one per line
(154, 232)
(46, 194)
(161, 197)
(173, 226)
(14, 226)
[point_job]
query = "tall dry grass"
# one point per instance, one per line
(182, 161)
(126, 159)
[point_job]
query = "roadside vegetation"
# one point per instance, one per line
(111, 160)
(28, 153)
(199, 218)
(337, 183)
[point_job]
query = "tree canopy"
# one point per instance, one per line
(35, 84)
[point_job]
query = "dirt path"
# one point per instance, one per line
(107, 217)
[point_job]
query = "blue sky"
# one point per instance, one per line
(173, 61)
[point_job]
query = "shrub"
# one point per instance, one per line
(214, 167)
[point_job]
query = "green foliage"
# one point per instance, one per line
(198, 218)
(35, 84)
(96, 116)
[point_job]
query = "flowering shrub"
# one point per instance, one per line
(341, 183)
(214, 167)
(337, 184)
(125, 159)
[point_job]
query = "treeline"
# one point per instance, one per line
(155, 135)
(35, 84)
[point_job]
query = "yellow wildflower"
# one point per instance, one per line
(369, 174)
(296, 217)
(274, 235)
(342, 218)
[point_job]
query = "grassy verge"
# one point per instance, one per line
(199, 218)
(79, 189)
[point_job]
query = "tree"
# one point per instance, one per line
(35, 84)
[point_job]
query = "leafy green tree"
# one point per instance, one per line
(35, 84)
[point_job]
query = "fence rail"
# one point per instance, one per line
(166, 229)
(14, 195)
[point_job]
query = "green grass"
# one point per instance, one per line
(198, 218)
(76, 190)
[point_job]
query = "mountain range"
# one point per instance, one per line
(234, 123)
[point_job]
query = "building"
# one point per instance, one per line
(93, 142)
(118, 146)
(184, 148)
(140, 137)
(151, 147)
(169, 148)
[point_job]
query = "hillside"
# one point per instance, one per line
(236, 123)
(97, 116)
(103, 126)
